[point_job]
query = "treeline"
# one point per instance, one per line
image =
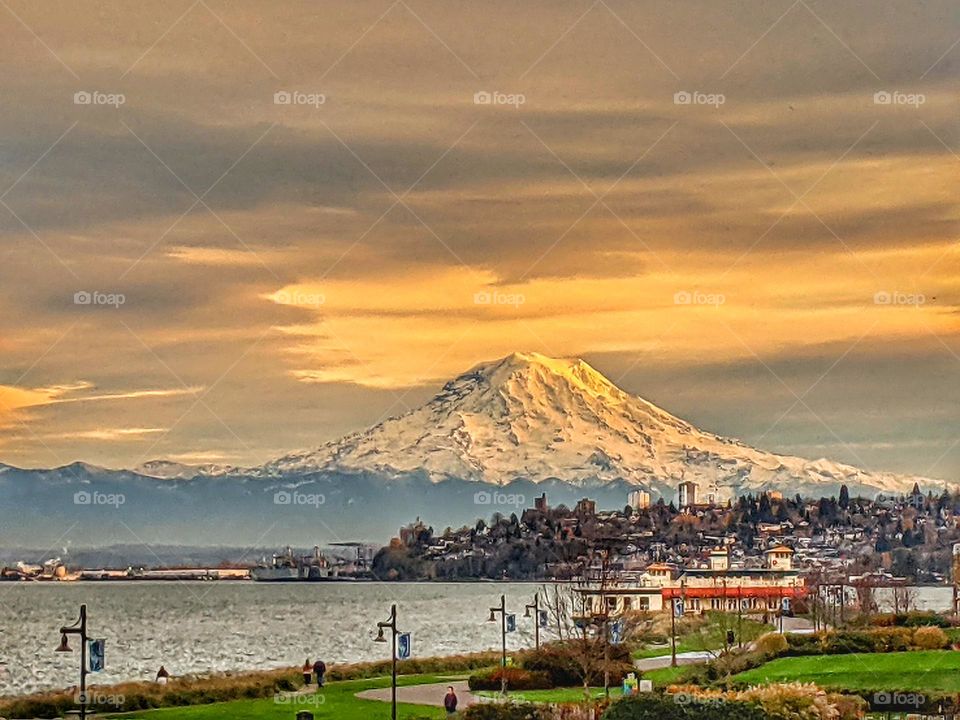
(910, 536)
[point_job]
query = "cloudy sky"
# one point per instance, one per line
(229, 230)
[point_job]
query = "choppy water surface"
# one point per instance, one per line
(203, 627)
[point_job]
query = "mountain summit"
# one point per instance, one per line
(528, 416)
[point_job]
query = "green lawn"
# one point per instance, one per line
(336, 701)
(711, 636)
(927, 670)
(664, 676)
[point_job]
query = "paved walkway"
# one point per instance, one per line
(423, 694)
(687, 658)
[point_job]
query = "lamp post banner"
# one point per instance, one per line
(404, 646)
(544, 618)
(95, 655)
(511, 623)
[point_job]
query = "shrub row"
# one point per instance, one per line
(878, 640)
(911, 619)
(517, 679)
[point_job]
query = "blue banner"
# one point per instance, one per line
(511, 623)
(404, 646)
(95, 655)
(616, 632)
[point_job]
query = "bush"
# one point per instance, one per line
(772, 645)
(559, 661)
(511, 711)
(788, 701)
(894, 639)
(517, 679)
(798, 701)
(930, 638)
(681, 707)
(917, 618)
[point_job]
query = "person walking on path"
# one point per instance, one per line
(450, 701)
(319, 669)
(307, 671)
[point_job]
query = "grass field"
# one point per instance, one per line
(710, 636)
(928, 670)
(664, 676)
(336, 701)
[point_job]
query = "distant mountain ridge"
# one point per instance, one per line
(528, 416)
(490, 441)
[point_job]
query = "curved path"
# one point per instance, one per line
(431, 694)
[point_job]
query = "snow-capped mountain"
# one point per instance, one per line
(527, 416)
(170, 470)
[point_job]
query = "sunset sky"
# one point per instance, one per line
(776, 260)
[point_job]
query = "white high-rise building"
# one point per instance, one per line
(638, 499)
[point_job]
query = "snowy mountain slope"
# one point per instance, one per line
(533, 417)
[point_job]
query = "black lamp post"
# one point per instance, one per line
(391, 624)
(78, 628)
(535, 606)
(502, 610)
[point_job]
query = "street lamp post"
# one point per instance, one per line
(535, 606)
(673, 630)
(78, 628)
(391, 624)
(502, 610)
